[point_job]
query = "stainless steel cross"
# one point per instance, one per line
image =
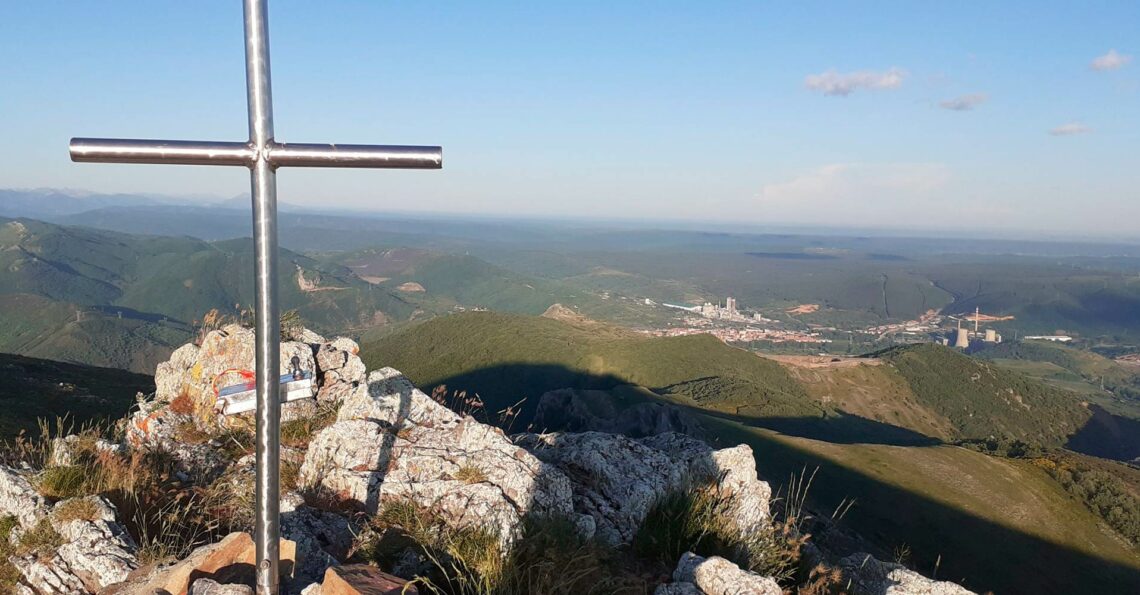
(262, 155)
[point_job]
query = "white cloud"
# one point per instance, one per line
(873, 194)
(843, 84)
(964, 103)
(1110, 61)
(1070, 129)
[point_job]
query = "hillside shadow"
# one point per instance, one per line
(837, 428)
(504, 385)
(949, 542)
(1107, 436)
(961, 547)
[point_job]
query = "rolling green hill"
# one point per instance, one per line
(1099, 379)
(121, 300)
(506, 357)
(442, 282)
(982, 400)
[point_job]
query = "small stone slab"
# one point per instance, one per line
(227, 561)
(361, 579)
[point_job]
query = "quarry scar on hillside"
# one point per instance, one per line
(263, 155)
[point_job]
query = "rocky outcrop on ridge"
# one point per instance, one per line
(392, 442)
(95, 550)
(186, 385)
(616, 480)
(869, 576)
(370, 439)
(715, 576)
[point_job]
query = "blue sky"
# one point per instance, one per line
(712, 111)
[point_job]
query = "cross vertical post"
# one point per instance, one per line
(262, 154)
(263, 182)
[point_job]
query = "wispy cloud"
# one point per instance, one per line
(964, 103)
(1070, 129)
(1110, 61)
(843, 84)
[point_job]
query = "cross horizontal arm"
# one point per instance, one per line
(187, 152)
(336, 155)
(175, 152)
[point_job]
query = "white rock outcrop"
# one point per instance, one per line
(322, 539)
(96, 550)
(193, 374)
(616, 480)
(716, 576)
(392, 442)
(205, 586)
(19, 499)
(870, 576)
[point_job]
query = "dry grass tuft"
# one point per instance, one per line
(182, 404)
(469, 474)
(298, 432)
(41, 539)
(78, 509)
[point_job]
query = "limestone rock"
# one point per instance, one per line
(361, 579)
(393, 442)
(96, 549)
(62, 451)
(339, 362)
(616, 480)
(870, 576)
(305, 335)
(19, 499)
(322, 538)
(192, 374)
(205, 586)
(734, 467)
(717, 576)
(169, 376)
(49, 575)
(155, 425)
(175, 579)
(677, 589)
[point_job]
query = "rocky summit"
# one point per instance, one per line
(162, 502)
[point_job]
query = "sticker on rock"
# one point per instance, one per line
(297, 384)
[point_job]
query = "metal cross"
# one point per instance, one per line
(262, 155)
